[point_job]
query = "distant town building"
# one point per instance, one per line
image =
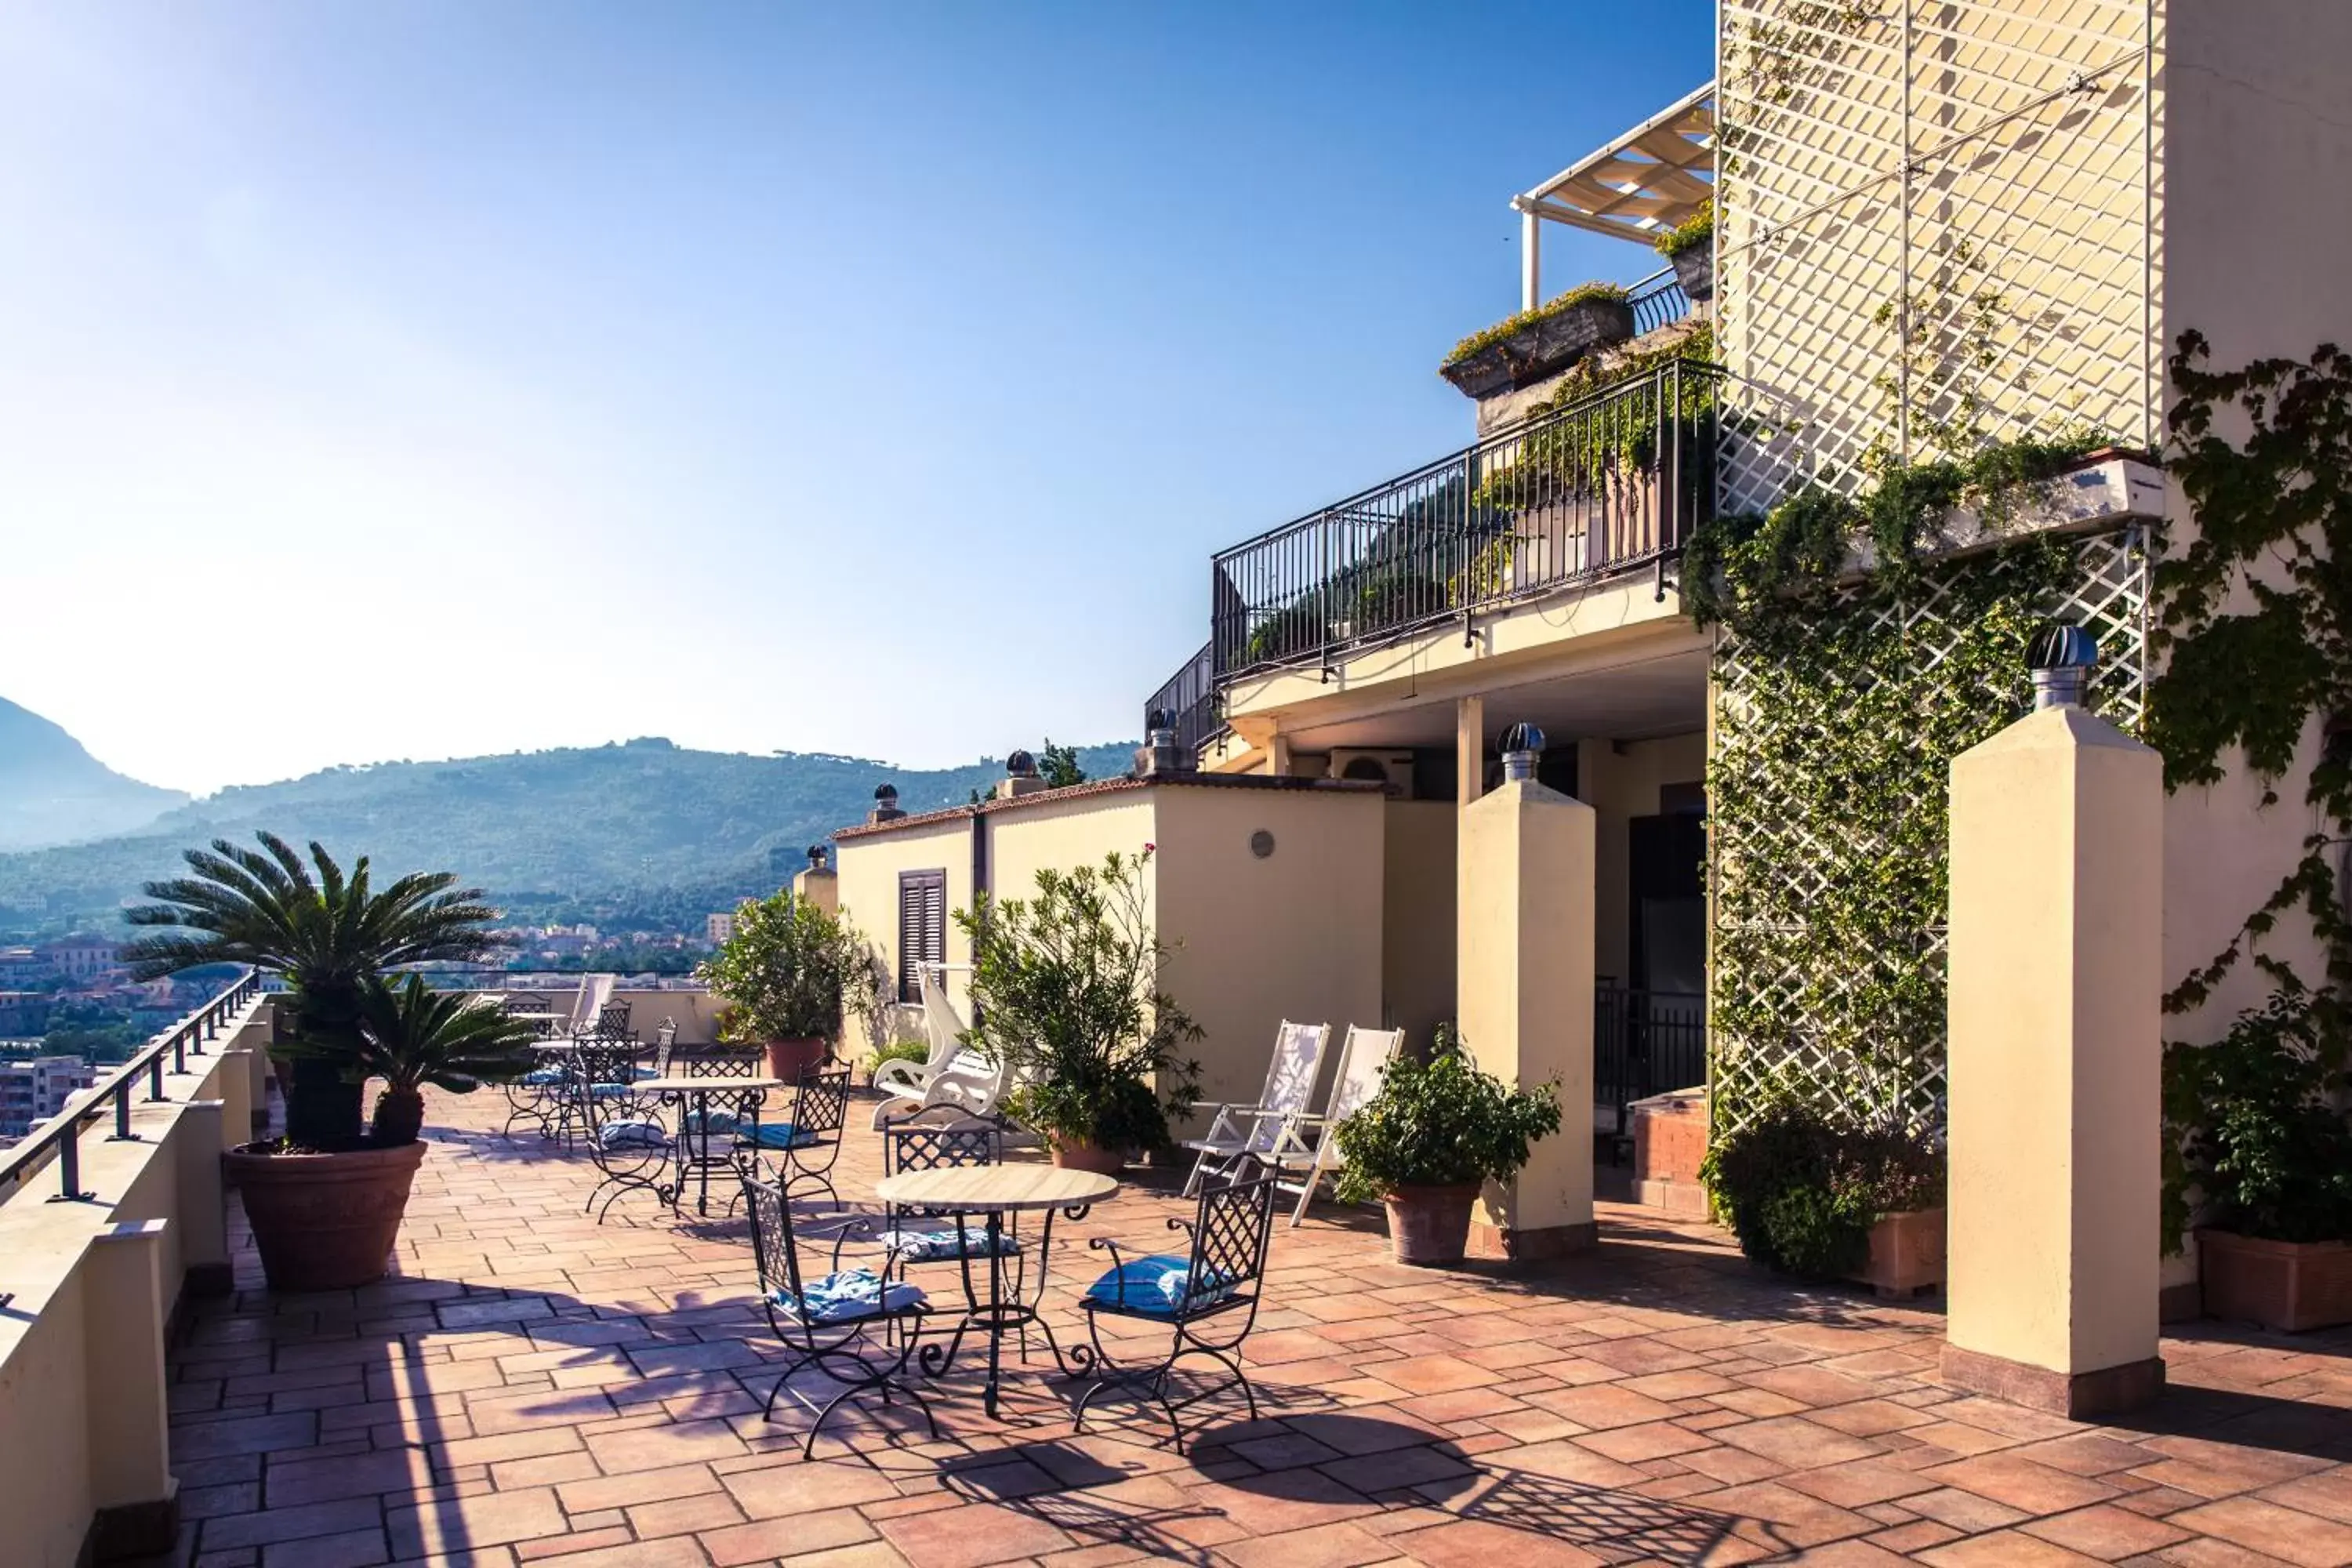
(23, 966)
(717, 929)
(80, 959)
(23, 1013)
(33, 1091)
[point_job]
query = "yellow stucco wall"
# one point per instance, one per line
(1295, 935)
(868, 869)
(1417, 896)
(1067, 833)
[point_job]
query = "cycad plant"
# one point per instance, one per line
(327, 935)
(411, 1036)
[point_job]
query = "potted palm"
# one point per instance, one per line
(323, 1221)
(1435, 1134)
(1065, 994)
(790, 975)
(328, 935)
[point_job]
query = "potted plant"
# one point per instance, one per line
(1065, 989)
(1690, 245)
(2262, 1144)
(324, 1226)
(1435, 1134)
(1826, 1199)
(328, 935)
(1528, 347)
(790, 974)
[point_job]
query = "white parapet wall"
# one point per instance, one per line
(91, 1284)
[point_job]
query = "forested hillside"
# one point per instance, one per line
(642, 834)
(54, 791)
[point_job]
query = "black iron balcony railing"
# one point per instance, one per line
(1188, 698)
(61, 1135)
(1645, 1043)
(1658, 301)
(1610, 482)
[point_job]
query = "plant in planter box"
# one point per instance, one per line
(1526, 347)
(1065, 994)
(326, 1203)
(1429, 1139)
(1804, 1193)
(790, 974)
(2261, 1139)
(1690, 247)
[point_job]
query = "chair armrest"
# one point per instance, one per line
(1118, 1264)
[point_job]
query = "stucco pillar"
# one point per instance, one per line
(2057, 899)
(196, 1139)
(1524, 999)
(131, 1479)
(1469, 749)
(819, 886)
(235, 1081)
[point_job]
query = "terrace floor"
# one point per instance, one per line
(533, 1386)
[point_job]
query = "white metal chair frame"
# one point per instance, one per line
(953, 1075)
(1269, 1130)
(1364, 1056)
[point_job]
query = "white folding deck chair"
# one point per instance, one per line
(1267, 1131)
(595, 991)
(1363, 1058)
(951, 1074)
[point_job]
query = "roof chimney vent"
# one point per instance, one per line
(816, 857)
(2061, 657)
(886, 805)
(1522, 745)
(1159, 755)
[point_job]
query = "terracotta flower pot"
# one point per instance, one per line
(1430, 1226)
(1077, 1155)
(2290, 1286)
(324, 1222)
(788, 1059)
(1907, 1253)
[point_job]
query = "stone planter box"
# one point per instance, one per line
(1695, 271)
(1906, 1253)
(1541, 348)
(2290, 1286)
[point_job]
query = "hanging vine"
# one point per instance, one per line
(2254, 617)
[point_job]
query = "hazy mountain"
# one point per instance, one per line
(54, 791)
(642, 833)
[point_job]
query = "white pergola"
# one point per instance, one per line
(1651, 178)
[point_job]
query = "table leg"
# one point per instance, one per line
(995, 1306)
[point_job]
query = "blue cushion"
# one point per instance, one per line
(632, 1135)
(609, 1090)
(543, 1076)
(722, 1123)
(852, 1293)
(929, 1246)
(782, 1135)
(1153, 1286)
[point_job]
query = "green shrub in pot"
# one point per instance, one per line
(1802, 1190)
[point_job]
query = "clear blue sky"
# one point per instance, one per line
(430, 379)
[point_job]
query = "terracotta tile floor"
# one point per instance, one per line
(533, 1386)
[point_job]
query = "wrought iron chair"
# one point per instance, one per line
(612, 1023)
(824, 1322)
(800, 1150)
(923, 1142)
(1208, 1298)
(626, 1136)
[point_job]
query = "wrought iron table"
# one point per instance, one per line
(691, 1140)
(994, 1192)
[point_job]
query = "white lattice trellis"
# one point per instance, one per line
(1861, 1027)
(1935, 224)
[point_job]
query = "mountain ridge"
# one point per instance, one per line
(640, 834)
(53, 792)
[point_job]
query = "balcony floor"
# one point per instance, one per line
(534, 1386)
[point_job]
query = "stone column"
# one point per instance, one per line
(131, 1481)
(197, 1136)
(1524, 995)
(2057, 902)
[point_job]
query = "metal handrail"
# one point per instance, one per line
(1616, 478)
(62, 1132)
(1190, 698)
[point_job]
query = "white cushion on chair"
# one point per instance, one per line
(632, 1135)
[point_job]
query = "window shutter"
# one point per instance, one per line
(922, 927)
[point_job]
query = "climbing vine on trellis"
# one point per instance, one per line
(2254, 620)
(1840, 703)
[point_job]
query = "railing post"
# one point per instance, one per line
(70, 1164)
(154, 1080)
(122, 1133)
